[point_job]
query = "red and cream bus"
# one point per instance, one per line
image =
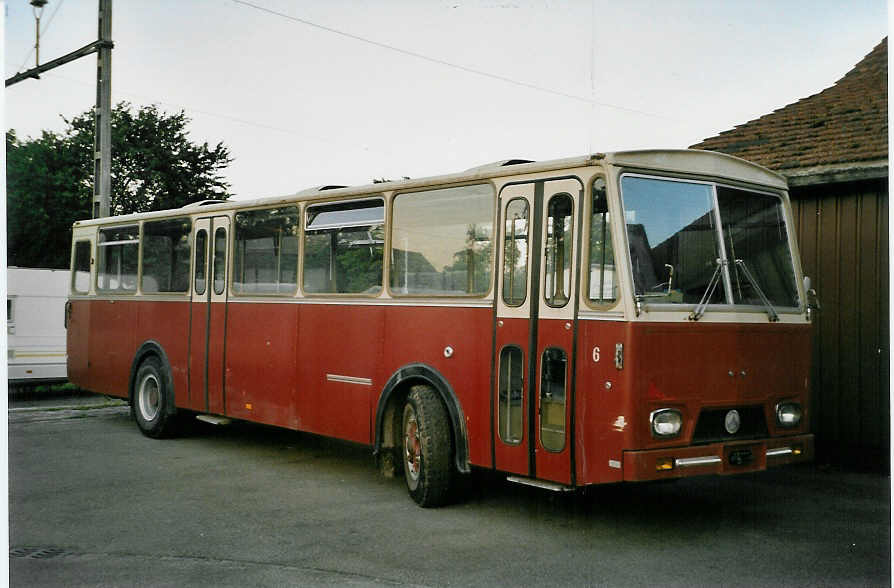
(615, 317)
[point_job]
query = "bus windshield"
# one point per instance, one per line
(693, 242)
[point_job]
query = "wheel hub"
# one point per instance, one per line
(150, 399)
(412, 447)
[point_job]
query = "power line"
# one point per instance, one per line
(293, 132)
(444, 63)
(192, 110)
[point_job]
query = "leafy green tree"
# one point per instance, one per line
(49, 179)
(45, 195)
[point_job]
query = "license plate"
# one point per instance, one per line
(740, 457)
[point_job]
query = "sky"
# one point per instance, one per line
(344, 92)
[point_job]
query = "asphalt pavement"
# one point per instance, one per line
(95, 503)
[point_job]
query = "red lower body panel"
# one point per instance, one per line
(313, 367)
(322, 368)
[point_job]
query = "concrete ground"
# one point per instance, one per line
(95, 503)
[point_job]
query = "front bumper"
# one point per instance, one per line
(718, 458)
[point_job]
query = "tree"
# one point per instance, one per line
(45, 195)
(49, 179)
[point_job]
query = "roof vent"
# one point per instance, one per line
(315, 189)
(498, 164)
(202, 203)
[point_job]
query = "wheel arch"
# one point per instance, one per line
(395, 391)
(147, 349)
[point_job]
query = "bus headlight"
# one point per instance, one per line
(788, 414)
(666, 422)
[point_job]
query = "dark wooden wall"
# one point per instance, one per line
(843, 235)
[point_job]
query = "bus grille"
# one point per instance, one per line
(710, 429)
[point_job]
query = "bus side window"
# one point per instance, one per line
(515, 253)
(552, 398)
(266, 251)
(603, 288)
(220, 260)
(511, 395)
(201, 255)
(166, 255)
(344, 247)
(80, 279)
(118, 251)
(442, 241)
(559, 244)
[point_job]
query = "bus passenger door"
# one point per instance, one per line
(556, 328)
(535, 328)
(513, 332)
(208, 320)
(77, 312)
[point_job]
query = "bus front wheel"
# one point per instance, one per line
(426, 447)
(151, 402)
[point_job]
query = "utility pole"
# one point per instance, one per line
(102, 166)
(102, 136)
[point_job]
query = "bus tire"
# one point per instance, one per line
(426, 447)
(152, 402)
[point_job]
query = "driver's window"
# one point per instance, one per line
(603, 285)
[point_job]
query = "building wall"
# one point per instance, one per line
(842, 230)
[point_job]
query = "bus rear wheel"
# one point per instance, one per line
(426, 447)
(151, 404)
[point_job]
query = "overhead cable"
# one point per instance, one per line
(190, 109)
(464, 68)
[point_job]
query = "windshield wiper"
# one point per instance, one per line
(702, 305)
(771, 312)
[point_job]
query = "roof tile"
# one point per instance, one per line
(845, 123)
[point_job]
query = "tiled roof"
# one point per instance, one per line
(844, 124)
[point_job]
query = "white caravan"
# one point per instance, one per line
(35, 316)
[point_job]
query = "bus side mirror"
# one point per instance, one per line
(812, 298)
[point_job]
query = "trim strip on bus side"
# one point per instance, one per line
(349, 379)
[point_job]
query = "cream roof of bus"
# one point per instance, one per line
(689, 161)
(684, 161)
